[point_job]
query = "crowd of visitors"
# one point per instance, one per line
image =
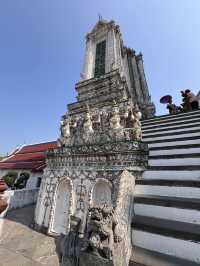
(189, 102)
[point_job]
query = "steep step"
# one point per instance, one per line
(176, 174)
(173, 142)
(169, 188)
(174, 156)
(165, 201)
(169, 132)
(179, 146)
(191, 161)
(174, 167)
(149, 257)
(188, 218)
(173, 151)
(175, 229)
(169, 183)
(164, 242)
(170, 124)
(174, 137)
(172, 118)
(169, 226)
(169, 116)
(179, 126)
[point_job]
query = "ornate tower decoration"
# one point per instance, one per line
(89, 179)
(105, 52)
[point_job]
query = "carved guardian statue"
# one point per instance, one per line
(101, 231)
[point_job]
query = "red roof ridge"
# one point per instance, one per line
(28, 156)
(11, 154)
(41, 143)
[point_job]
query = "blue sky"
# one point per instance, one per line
(42, 49)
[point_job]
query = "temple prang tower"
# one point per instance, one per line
(99, 156)
(105, 53)
(110, 199)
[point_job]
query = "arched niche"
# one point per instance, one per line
(62, 207)
(102, 192)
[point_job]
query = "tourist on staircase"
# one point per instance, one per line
(189, 102)
(185, 106)
(173, 109)
(192, 99)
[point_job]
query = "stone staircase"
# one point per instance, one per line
(166, 226)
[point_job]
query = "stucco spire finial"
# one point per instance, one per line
(100, 17)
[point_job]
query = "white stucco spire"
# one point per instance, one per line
(106, 31)
(105, 53)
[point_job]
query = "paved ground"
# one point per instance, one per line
(22, 246)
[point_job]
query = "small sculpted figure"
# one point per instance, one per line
(132, 116)
(64, 131)
(127, 121)
(87, 126)
(101, 231)
(136, 123)
(115, 118)
(116, 129)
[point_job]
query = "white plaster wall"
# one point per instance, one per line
(20, 198)
(33, 179)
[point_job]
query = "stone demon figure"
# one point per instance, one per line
(97, 247)
(101, 233)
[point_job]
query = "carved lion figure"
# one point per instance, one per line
(101, 231)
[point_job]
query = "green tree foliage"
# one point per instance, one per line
(16, 183)
(1, 157)
(10, 179)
